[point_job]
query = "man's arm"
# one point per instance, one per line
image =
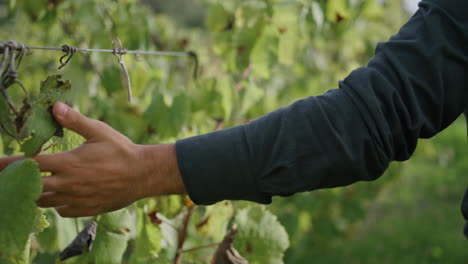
(414, 87)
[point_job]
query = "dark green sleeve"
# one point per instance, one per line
(414, 87)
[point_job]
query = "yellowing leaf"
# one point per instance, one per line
(215, 221)
(260, 238)
(337, 10)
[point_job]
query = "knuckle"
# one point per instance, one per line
(75, 187)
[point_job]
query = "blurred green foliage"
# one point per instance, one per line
(255, 56)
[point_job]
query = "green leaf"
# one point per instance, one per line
(227, 92)
(20, 187)
(37, 125)
(249, 23)
(372, 9)
(180, 112)
(218, 18)
(264, 54)
(111, 78)
(40, 221)
(261, 238)
(60, 233)
(111, 239)
(169, 205)
(53, 89)
(215, 221)
(117, 222)
(108, 248)
(251, 95)
(157, 115)
(148, 240)
(11, 7)
(337, 10)
(34, 9)
(286, 19)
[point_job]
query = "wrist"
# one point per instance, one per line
(160, 170)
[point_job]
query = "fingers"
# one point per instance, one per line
(54, 184)
(64, 184)
(68, 206)
(89, 128)
(71, 211)
(5, 162)
(46, 162)
(52, 162)
(55, 199)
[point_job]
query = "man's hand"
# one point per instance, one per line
(106, 173)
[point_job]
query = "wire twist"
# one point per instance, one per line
(69, 52)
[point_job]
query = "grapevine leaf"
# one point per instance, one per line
(158, 116)
(111, 239)
(60, 233)
(109, 75)
(373, 9)
(40, 127)
(337, 10)
(53, 90)
(215, 221)
(7, 142)
(227, 93)
(11, 7)
(180, 112)
(108, 247)
(264, 53)
(36, 124)
(286, 20)
(40, 221)
(251, 96)
(148, 240)
(249, 23)
(218, 19)
(20, 187)
(261, 238)
(82, 243)
(118, 221)
(169, 205)
(226, 253)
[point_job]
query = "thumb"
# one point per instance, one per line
(76, 122)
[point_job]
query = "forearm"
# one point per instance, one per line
(161, 170)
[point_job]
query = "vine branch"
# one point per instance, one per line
(182, 235)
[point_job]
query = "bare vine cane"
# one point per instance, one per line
(119, 54)
(6, 50)
(10, 73)
(13, 54)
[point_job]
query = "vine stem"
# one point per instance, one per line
(182, 235)
(77, 225)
